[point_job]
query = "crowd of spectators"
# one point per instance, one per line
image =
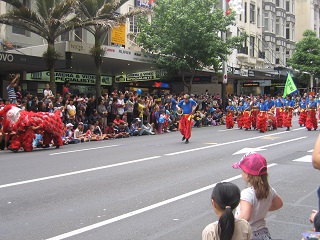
(115, 115)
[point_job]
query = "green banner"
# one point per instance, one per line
(290, 87)
(74, 78)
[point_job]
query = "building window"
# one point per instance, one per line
(288, 31)
(287, 6)
(273, 22)
(278, 3)
(258, 18)
(245, 12)
(65, 36)
(16, 30)
(277, 25)
(252, 46)
(252, 13)
(133, 25)
(266, 21)
(78, 35)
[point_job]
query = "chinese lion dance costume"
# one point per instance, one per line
(23, 125)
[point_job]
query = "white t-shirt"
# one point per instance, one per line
(260, 208)
(242, 231)
(120, 109)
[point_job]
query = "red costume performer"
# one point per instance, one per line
(240, 119)
(279, 116)
(262, 121)
(311, 121)
(246, 120)
(303, 117)
(23, 125)
(272, 121)
(229, 119)
(254, 115)
(287, 117)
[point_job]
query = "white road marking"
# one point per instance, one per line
(142, 210)
(227, 130)
(77, 172)
(84, 149)
(222, 144)
(307, 158)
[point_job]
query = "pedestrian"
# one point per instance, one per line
(259, 198)
(187, 107)
(225, 198)
(10, 89)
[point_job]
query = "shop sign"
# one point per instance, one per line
(73, 78)
(141, 76)
(118, 35)
(264, 83)
(251, 84)
(244, 72)
(251, 73)
(236, 71)
(6, 57)
(78, 47)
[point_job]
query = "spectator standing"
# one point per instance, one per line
(103, 113)
(225, 198)
(10, 89)
(71, 111)
(47, 94)
(258, 199)
(90, 108)
(65, 89)
(120, 105)
(129, 106)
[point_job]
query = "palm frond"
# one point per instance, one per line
(14, 3)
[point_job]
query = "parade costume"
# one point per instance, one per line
(229, 118)
(262, 117)
(185, 122)
(271, 119)
(254, 114)
(240, 116)
(287, 115)
(311, 121)
(23, 125)
(246, 116)
(279, 111)
(303, 113)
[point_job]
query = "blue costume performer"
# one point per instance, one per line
(311, 121)
(262, 116)
(187, 106)
(303, 112)
(229, 118)
(279, 110)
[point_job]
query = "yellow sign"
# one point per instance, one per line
(118, 35)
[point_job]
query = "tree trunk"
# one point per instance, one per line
(51, 59)
(97, 55)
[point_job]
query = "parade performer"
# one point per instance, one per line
(24, 124)
(287, 115)
(311, 121)
(262, 117)
(186, 106)
(303, 112)
(254, 113)
(240, 115)
(246, 114)
(279, 111)
(229, 118)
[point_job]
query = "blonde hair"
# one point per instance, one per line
(260, 185)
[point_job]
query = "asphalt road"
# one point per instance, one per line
(150, 187)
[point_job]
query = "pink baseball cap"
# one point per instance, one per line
(252, 163)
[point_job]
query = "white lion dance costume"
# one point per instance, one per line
(23, 125)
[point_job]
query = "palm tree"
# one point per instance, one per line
(98, 17)
(48, 19)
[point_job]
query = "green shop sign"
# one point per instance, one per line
(74, 78)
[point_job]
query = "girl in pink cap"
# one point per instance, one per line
(259, 198)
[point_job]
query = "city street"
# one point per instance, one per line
(150, 187)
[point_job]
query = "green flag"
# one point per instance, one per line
(290, 87)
